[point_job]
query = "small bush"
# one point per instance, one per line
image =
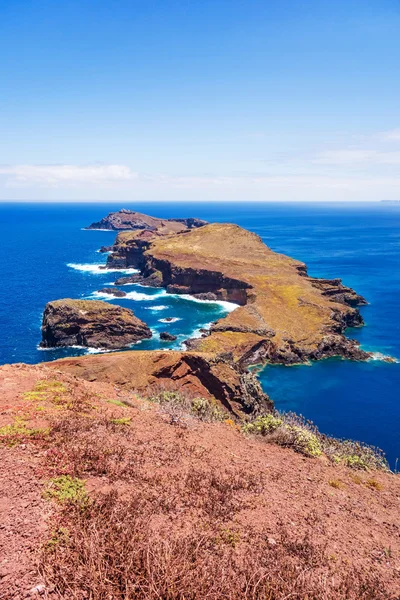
(67, 489)
(293, 431)
(178, 405)
(374, 485)
(122, 421)
(335, 483)
(19, 432)
(263, 425)
(286, 431)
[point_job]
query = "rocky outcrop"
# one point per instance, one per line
(152, 281)
(167, 337)
(196, 374)
(283, 316)
(126, 219)
(113, 292)
(90, 323)
(336, 291)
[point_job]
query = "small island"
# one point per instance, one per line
(284, 315)
(91, 324)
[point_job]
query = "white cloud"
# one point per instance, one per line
(55, 175)
(391, 136)
(356, 157)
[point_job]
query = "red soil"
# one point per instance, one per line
(356, 514)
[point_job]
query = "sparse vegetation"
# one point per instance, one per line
(67, 489)
(121, 421)
(293, 431)
(180, 533)
(336, 483)
(113, 551)
(178, 405)
(18, 432)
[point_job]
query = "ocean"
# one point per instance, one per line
(46, 255)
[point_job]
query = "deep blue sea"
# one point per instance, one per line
(45, 255)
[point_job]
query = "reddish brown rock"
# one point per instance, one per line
(198, 374)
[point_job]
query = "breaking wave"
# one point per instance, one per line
(155, 308)
(98, 269)
(170, 320)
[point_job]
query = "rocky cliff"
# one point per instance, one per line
(195, 374)
(128, 219)
(285, 316)
(90, 323)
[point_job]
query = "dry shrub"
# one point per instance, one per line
(115, 549)
(83, 446)
(178, 405)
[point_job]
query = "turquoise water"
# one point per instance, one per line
(359, 243)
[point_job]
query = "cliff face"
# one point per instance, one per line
(90, 323)
(284, 315)
(197, 374)
(128, 219)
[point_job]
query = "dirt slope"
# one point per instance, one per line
(193, 490)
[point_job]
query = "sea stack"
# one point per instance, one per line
(90, 323)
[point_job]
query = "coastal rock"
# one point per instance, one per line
(113, 292)
(167, 337)
(196, 374)
(283, 315)
(126, 219)
(105, 249)
(90, 323)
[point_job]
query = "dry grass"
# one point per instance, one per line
(167, 534)
(113, 550)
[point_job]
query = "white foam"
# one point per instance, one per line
(155, 308)
(104, 252)
(105, 296)
(228, 306)
(98, 269)
(196, 334)
(145, 297)
(94, 229)
(383, 357)
(170, 320)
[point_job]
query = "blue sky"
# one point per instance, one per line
(189, 100)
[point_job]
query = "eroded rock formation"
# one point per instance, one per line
(90, 323)
(126, 219)
(198, 374)
(283, 316)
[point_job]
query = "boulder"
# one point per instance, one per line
(113, 292)
(90, 323)
(167, 337)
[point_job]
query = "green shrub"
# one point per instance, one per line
(67, 490)
(263, 425)
(122, 421)
(182, 404)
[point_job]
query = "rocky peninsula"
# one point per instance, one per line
(90, 323)
(284, 316)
